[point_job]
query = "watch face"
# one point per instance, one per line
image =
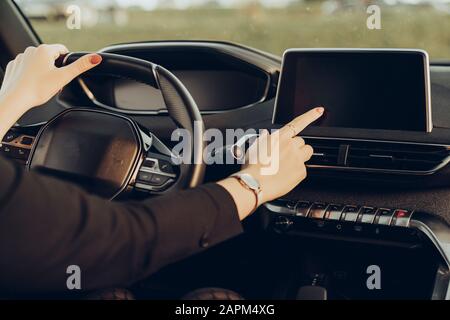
(250, 181)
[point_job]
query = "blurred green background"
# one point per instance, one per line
(269, 29)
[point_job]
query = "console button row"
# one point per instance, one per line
(18, 140)
(15, 152)
(155, 174)
(152, 179)
(158, 164)
(348, 213)
(10, 136)
(16, 146)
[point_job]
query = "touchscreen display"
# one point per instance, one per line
(359, 89)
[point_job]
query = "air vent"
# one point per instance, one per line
(358, 155)
(326, 152)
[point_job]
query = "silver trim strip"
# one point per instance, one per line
(279, 209)
(439, 234)
(435, 230)
(160, 173)
(381, 140)
(429, 120)
(441, 288)
(147, 187)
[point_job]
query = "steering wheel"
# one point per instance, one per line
(108, 152)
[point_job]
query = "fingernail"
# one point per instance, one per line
(95, 59)
(320, 110)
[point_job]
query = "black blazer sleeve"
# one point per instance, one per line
(47, 225)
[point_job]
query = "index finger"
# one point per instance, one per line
(56, 50)
(297, 125)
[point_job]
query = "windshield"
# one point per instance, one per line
(269, 25)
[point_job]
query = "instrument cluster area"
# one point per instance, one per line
(219, 77)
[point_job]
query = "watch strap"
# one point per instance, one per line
(256, 190)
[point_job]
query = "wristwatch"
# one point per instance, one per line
(250, 183)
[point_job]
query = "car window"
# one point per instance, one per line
(270, 25)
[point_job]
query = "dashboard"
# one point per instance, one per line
(235, 87)
(383, 186)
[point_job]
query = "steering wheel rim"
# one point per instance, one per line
(180, 105)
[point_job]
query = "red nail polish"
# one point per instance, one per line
(96, 59)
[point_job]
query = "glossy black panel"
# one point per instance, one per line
(97, 150)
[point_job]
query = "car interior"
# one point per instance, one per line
(372, 197)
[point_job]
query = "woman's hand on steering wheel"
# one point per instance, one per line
(32, 78)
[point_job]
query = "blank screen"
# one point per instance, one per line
(369, 90)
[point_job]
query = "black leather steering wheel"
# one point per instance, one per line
(108, 152)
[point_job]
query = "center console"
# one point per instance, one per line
(366, 167)
(337, 242)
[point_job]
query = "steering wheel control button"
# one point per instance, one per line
(162, 170)
(158, 180)
(149, 163)
(10, 136)
(302, 208)
(334, 212)
(367, 215)
(15, 152)
(6, 150)
(317, 210)
(350, 213)
(384, 216)
(145, 177)
(166, 167)
(27, 141)
(401, 218)
(21, 153)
